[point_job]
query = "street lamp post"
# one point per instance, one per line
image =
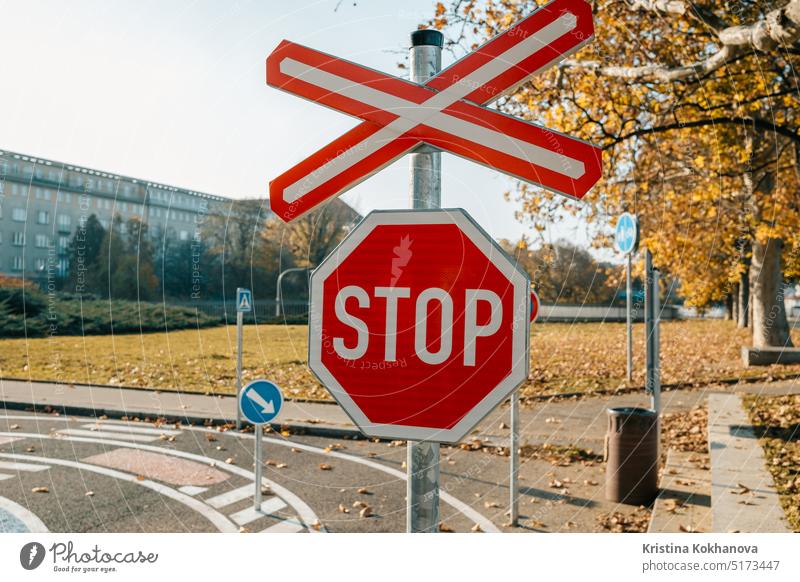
(278, 293)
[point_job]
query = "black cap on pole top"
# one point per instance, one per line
(427, 37)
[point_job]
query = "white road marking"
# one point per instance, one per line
(221, 522)
(7, 440)
(470, 513)
(155, 431)
(300, 507)
(303, 510)
(6, 466)
(192, 489)
(3, 476)
(231, 496)
(23, 514)
(285, 526)
(245, 516)
(137, 438)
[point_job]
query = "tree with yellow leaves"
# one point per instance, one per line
(696, 107)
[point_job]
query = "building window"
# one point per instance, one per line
(39, 264)
(63, 243)
(64, 222)
(41, 241)
(16, 263)
(43, 217)
(19, 215)
(43, 194)
(18, 239)
(184, 235)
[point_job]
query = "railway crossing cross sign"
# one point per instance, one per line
(449, 112)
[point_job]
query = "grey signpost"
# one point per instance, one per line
(628, 316)
(513, 447)
(422, 493)
(244, 304)
(626, 239)
(652, 317)
(513, 444)
(260, 402)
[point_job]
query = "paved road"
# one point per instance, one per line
(111, 475)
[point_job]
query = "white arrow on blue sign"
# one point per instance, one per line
(626, 235)
(260, 401)
(244, 300)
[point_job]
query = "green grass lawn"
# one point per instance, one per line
(564, 357)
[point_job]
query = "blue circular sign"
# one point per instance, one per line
(626, 235)
(260, 401)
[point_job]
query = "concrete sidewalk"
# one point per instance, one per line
(743, 494)
(561, 422)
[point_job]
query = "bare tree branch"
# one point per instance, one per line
(780, 28)
(758, 123)
(681, 8)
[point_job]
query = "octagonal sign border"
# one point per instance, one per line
(520, 318)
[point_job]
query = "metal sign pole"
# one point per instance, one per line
(258, 468)
(651, 313)
(656, 343)
(239, 325)
(422, 494)
(514, 452)
(629, 318)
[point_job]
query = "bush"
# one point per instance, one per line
(32, 315)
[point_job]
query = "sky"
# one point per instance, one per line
(174, 92)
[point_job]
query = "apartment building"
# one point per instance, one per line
(43, 203)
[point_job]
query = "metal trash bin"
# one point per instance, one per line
(631, 451)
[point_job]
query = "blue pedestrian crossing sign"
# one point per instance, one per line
(626, 235)
(244, 300)
(260, 401)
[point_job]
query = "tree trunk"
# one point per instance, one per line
(770, 327)
(735, 302)
(743, 319)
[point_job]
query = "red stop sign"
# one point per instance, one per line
(419, 325)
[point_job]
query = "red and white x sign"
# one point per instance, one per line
(448, 112)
